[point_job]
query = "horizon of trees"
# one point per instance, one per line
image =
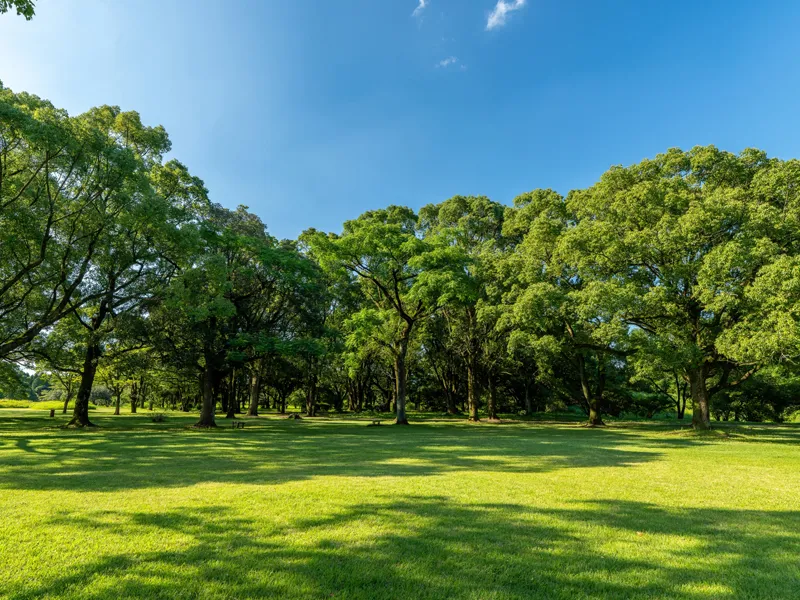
(668, 283)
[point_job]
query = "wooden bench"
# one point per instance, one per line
(375, 423)
(237, 425)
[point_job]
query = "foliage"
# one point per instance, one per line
(24, 8)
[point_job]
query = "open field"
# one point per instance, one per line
(442, 509)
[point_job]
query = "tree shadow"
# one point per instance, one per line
(272, 452)
(428, 547)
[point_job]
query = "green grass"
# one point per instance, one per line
(335, 509)
(38, 405)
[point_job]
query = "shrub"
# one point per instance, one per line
(159, 418)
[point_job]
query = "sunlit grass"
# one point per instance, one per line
(442, 509)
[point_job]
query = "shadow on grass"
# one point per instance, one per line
(419, 547)
(273, 451)
(131, 452)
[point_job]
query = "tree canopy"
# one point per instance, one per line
(667, 286)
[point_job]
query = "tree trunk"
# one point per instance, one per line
(231, 412)
(255, 389)
(134, 396)
(66, 405)
(80, 413)
(119, 400)
(452, 409)
(593, 400)
(311, 394)
(595, 413)
(472, 391)
(700, 406)
(400, 378)
(491, 405)
(528, 401)
(209, 401)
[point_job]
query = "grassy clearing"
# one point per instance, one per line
(37, 405)
(335, 509)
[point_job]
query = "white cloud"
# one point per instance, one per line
(418, 11)
(450, 60)
(497, 18)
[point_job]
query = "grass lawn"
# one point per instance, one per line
(323, 508)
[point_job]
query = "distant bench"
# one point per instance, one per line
(237, 425)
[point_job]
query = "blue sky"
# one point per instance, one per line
(311, 112)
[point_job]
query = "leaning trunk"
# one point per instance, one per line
(593, 399)
(66, 405)
(700, 405)
(80, 414)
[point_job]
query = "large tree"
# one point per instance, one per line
(405, 278)
(677, 248)
(552, 307)
(473, 225)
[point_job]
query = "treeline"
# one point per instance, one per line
(672, 282)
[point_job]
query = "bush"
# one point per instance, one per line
(159, 418)
(101, 396)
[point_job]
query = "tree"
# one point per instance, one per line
(58, 181)
(472, 225)
(405, 278)
(144, 245)
(675, 246)
(552, 307)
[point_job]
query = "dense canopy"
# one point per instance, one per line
(670, 281)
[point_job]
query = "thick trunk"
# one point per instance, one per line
(491, 405)
(452, 409)
(595, 413)
(116, 406)
(700, 406)
(80, 413)
(593, 399)
(209, 401)
(255, 390)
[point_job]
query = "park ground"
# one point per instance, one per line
(333, 508)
